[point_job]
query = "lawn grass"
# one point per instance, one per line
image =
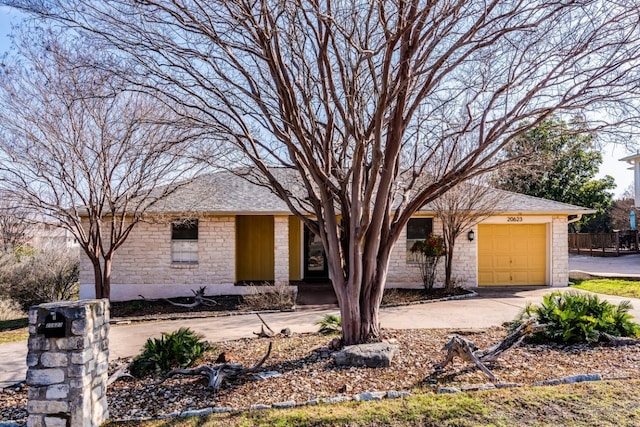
(615, 403)
(14, 330)
(622, 288)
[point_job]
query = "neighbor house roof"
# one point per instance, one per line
(227, 193)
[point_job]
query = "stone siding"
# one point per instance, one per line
(281, 248)
(559, 251)
(142, 266)
(67, 376)
(404, 274)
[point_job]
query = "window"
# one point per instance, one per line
(417, 229)
(184, 242)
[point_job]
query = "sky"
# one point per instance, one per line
(611, 154)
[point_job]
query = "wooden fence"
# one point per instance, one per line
(604, 244)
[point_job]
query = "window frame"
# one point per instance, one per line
(411, 239)
(184, 242)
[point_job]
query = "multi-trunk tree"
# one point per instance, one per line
(84, 150)
(374, 107)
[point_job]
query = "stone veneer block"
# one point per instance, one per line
(67, 376)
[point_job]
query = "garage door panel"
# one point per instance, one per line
(512, 254)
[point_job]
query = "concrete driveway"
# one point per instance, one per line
(622, 266)
(492, 307)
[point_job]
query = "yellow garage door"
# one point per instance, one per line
(510, 255)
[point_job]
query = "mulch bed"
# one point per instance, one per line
(306, 370)
(155, 308)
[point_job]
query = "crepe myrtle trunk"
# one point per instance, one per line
(448, 266)
(101, 276)
(359, 297)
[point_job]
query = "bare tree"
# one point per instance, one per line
(82, 149)
(363, 102)
(14, 224)
(460, 209)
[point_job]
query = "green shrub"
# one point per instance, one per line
(572, 317)
(179, 349)
(330, 324)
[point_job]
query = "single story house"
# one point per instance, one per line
(222, 231)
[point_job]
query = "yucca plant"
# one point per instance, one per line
(178, 349)
(330, 324)
(572, 317)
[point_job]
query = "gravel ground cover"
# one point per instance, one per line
(305, 371)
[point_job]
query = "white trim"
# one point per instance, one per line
(518, 219)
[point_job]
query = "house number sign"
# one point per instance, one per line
(514, 219)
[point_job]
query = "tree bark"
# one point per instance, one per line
(106, 280)
(448, 267)
(97, 278)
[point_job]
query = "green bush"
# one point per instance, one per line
(179, 349)
(572, 317)
(330, 324)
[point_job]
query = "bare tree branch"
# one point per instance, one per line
(375, 108)
(83, 149)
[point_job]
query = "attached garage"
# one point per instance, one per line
(512, 254)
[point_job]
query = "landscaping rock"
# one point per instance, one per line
(445, 390)
(571, 380)
(284, 405)
(392, 394)
(197, 412)
(370, 395)
(478, 387)
(376, 355)
(259, 407)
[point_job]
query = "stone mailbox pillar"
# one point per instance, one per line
(67, 363)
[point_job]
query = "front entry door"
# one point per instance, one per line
(315, 260)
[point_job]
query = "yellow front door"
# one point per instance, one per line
(510, 255)
(254, 248)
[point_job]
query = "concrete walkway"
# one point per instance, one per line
(492, 307)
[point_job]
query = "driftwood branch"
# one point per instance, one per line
(464, 349)
(121, 372)
(198, 299)
(618, 341)
(269, 333)
(513, 339)
(217, 374)
(468, 351)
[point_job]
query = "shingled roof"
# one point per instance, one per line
(226, 193)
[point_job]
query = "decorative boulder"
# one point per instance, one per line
(376, 355)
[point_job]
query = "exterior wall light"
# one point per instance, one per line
(471, 235)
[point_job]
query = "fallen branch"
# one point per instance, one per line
(216, 375)
(264, 334)
(121, 372)
(198, 299)
(527, 328)
(468, 351)
(618, 341)
(464, 349)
